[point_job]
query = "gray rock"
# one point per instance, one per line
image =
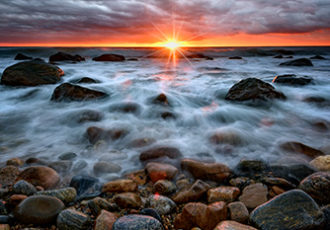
(162, 204)
(66, 195)
(71, 219)
(24, 187)
(137, 222)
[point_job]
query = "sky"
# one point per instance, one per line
(153, 22)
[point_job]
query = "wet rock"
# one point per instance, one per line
(298, 62)
(96, 134)
(241, 182)
(142, 142)
(16, 199)
(326, 211)
(161, 99)
(275, 190)
(40, 176)
(69, 92)
(88, 115)
(67, 156)
(159, 152)
(24, 187)
(276, 181)
(208, 171)
(226, 137)
(21, 56)
(86, 186)
(38, 209)
(198, 55)
(103, 167)
(31, 73)
(284, 52)
(79, 165)
(128, 200)
(105, 220)
(126, 107)
(67, 195)
(297, 147)
(317, 186)
(63, 166)
(167, 115)
(135, 222)
(319, 57)
(164, 187)
(160, 171)
(71, 219)
(61, 56)
(232, 225)
(198, 214)
(292, 79)
(321, 163)
(254, 195)
(223, 193)
(151, 212)
(98, 204)
(8, 175)
(251, 168)
(193, 193)
(291, 210)
(162, 204)
(123, 185)
(110, 57)
(132, 59)
(253, 89)
(15, 162)
(86, 80)
(3, 210)
(238, 212)
(139, 177)
(235, 58)
(278, 56)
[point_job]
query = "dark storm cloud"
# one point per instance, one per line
(23, 20)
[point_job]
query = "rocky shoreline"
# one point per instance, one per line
(170, 191)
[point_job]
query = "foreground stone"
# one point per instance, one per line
(135, 222)
(232, 225)
(208, 171)
(298, 62)
(222, 193)
(200, 215)
(110, 57)
(293, 210)
(292, 79)
(238, 212)
(86, 186)
(124, 185)
(69, 92)
(164, 187)
(24, 187)
(253, 89)
(61, 56)
(254, 195)
(160, 171)
(67, 195)
(38, 209)
(71, 219)
(98, 204)
(105, 221)
(317, 186)
(31, 73)
(193, 193)
(321, 163)
(162, 204)
(297, 147)
(40, 176)
(128, 200)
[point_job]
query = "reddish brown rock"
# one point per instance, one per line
(226, 137)
(105, 220)
(40, 176)
(164, 187)
(232, 225)
(193, 193)
(95, 134)
(139, 177)
(124, 185)
(4, 227)
(238, 212)
(159, 171)
(160, 152)
(8, 175)
(15, 199)
(15, 162)
(128, 200)
(223, 193)
(201, 215)
(275, 190)
(208, 171)
(254, 195)
(301, 148)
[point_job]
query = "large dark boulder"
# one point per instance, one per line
(317, 186)
(298, 62)
(292, 79)
(253, 89)
(110, 57)
(20, 56)
(61, 56)
(69, 92)
(31, 73)
(292, 210)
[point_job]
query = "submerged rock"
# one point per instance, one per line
(317, 186)
(294, 210)
(161, 99)
(31, 73)
(297, 147)
(159, 152)
(21, 56)
(71, 219)
(69, 92)
(61, 56)
(109, 57)
(253, 89)
(95, 134)
(86, 186)
(126, 107)
(292, 79)
(135, 222)
(298, 62)
(87, 80)
(159, 171)
(38, 209)
(103, 167)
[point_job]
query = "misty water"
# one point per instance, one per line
(33, 126)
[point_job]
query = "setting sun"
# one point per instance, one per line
(172, 44)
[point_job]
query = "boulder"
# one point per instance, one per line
(321, 163)
(86, 80)
(160, 171)
(128, 200)
(71, 219)
(193, 193)
(161, 99)
(253, 89)
(223, 193)
(298, 62)
(38, 209)
(61, 56)
(317, 186)
(159, 152)
(136, 222)
(294, 210)
(21, 56)
(297, 147)
(319, 57)
(208, 171)
(40, 176)
(126, 107)
(69, 92)
(232, 225)
(238, 212)
(109, 57)
(292, 79)
(122, 185)
(31, 73)
(254, 195)
(105, 220)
